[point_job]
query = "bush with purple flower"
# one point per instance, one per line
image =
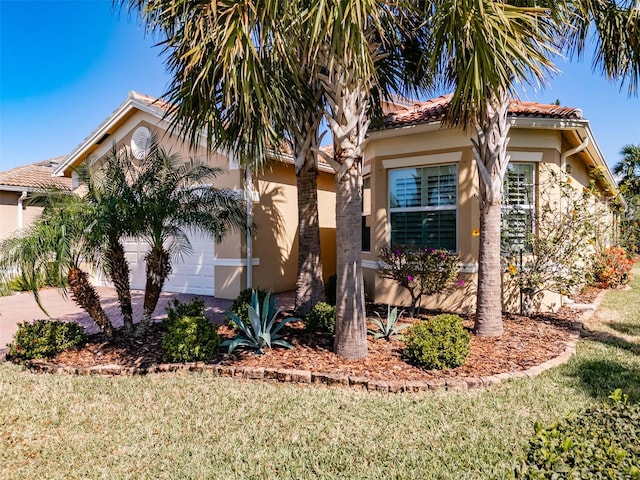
(422, 271)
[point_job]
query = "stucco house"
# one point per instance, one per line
(421, 185)
(16, 189)
(267, 259)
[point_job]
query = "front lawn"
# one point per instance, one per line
(200, 426)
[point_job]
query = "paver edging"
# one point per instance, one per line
(285, 375)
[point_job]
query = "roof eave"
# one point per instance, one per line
(119, 113)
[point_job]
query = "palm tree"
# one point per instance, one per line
(107, 189)
(483, 49)
(628, 168)
(172, 198)
(60, 238)
(243, 95)
(617, 36)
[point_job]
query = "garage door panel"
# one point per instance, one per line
(191, 273)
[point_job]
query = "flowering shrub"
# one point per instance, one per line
(612, 267)
(422, 271)
(557, 256)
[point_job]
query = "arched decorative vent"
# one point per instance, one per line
(140, 142)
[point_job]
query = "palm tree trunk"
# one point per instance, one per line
(158, 269)
(309, 283)
(347, 120)
(490, 151)
(86, 297)
(118, 270)
(351, 323)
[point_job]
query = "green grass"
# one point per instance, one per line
(197, 426)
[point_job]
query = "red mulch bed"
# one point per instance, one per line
(526, 342)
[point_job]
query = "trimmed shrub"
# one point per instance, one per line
(45, 338)
(189, 336)
(190, 339)
(330, 289)
(322, 318)
(240, 305)
(602, 442)
(439, 343)
(612, 267)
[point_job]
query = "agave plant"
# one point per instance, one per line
(388, 327)
(261, 330)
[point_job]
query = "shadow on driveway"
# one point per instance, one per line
(22, 307)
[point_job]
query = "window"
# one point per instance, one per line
(366, 214)
(517, 206)
(423, 206)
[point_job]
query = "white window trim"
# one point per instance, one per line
(532, 206)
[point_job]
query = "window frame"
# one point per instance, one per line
(455, 207)
(366, 213)
(530, 207)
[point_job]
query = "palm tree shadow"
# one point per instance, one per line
(626, 328)
(598, 378)
(611, 340)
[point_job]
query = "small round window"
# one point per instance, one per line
(140, 142)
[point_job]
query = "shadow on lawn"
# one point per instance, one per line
(599, 377)
(626, 328)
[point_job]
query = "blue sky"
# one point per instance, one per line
(66, 65)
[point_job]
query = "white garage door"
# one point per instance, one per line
(192, 273)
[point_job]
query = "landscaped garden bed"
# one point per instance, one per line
(526, 343)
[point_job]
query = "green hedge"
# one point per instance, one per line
(603, 442)
(45, 338)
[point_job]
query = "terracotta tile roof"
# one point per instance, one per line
(435, 110)
(35, 175)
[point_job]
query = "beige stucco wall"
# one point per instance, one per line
(428, 145)
(275, 213)
(9, 213)
(275, 241)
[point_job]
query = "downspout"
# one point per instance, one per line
(249, 199)
(563, 161)
(21, 200)
(573, 151)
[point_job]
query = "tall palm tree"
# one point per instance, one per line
(616, 24)
(628, 168)
(484, 49)
(267, 63)
(171, 198)
(60, 238)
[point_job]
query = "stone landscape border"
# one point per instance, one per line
(306, 377)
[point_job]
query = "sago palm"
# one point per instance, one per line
(173, 197)
(58, 238)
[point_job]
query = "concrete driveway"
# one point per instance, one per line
(22, 307)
